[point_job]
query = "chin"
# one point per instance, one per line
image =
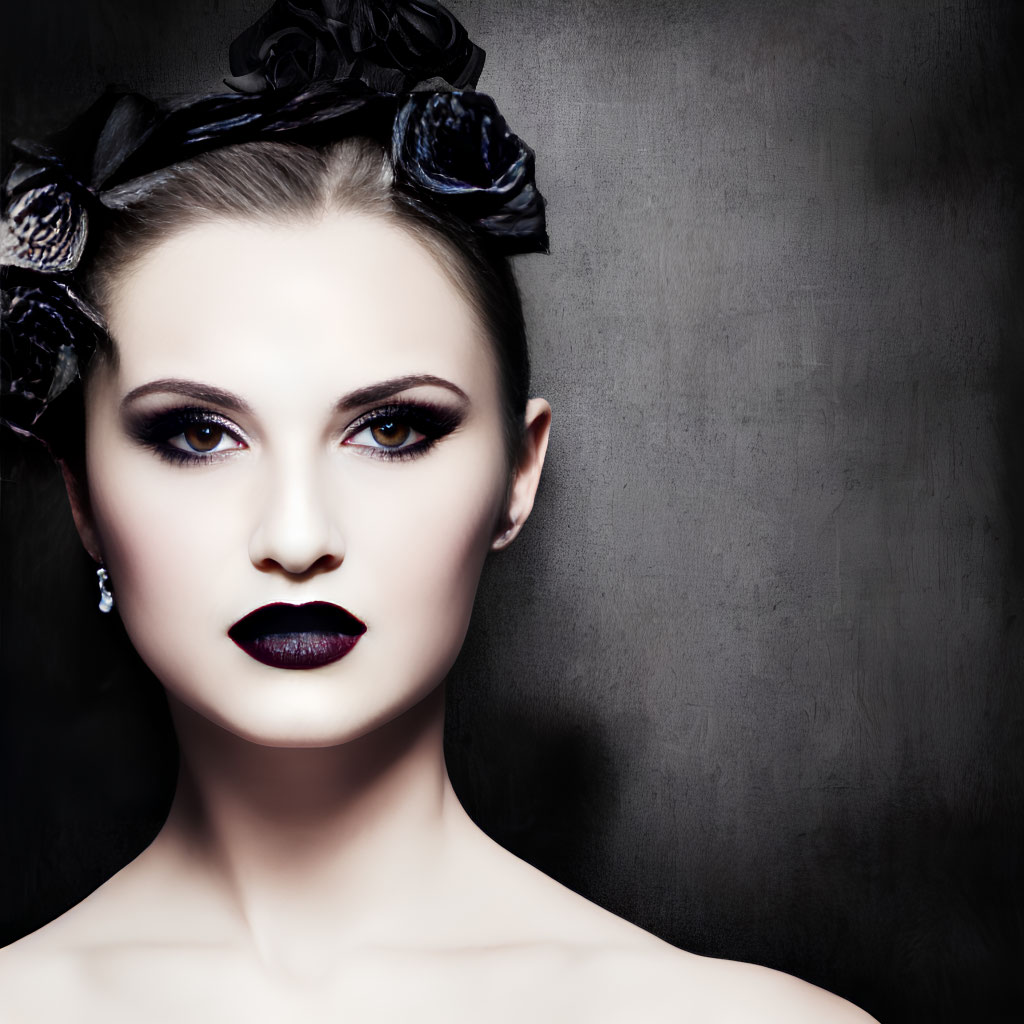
(303, 715)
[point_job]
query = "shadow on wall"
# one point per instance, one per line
(535, 782)
(953, 141)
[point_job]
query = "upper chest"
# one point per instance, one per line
(165, 985)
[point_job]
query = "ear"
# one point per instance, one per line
(527, 472)
(78, 497)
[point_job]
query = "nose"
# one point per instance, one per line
(296, 530)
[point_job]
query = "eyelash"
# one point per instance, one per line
(432, 421)
(159, 430)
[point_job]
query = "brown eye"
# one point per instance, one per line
(203, 437)
(390, 433)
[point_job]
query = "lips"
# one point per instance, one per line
(297, 635)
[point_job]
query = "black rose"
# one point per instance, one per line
(44, 227)
(457, 148)
(48, 333)
(386, 45)
(287, 56)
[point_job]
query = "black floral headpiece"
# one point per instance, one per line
(310, 73)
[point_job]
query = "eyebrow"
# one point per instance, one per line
(226, 400)
(387, 388)
(190, 389)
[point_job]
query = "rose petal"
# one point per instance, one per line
(44, 229)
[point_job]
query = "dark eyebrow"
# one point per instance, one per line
(388, 388)
(190, 389)
(226, 400)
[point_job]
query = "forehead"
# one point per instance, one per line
(339, 302)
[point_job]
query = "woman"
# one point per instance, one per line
(305, 429)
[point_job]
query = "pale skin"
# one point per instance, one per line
(316, 864)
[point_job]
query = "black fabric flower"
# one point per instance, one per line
(456, 148)
(44, 228)
(388, 46)
(47, 334)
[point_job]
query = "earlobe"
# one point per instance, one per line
(506, 536)
(537, 420)
(78, 498)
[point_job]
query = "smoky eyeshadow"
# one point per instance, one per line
(431, 419)
(428, 418)
(153, 429)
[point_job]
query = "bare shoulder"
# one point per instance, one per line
(671, 985)
(110, 913)
(642, 979)
(51, 973)
(33, 970)
(622, 973)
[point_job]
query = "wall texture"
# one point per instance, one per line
(752, 676)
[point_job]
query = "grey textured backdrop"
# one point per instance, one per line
(751, 677)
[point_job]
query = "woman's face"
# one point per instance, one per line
(298, 413)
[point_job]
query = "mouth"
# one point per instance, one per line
(297, 635)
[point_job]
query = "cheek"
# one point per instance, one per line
(163, 548)
(422, 552)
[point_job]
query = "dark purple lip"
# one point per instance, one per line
(297, 635)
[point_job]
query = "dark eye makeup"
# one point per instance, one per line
(186, 434)
(389, 432)
(192, 435)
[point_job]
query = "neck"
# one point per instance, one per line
(312, 849)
